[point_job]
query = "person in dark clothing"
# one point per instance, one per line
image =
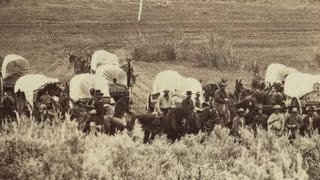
(220, 102)
(260, 120)
(187, 106)
(309, 122)
(293, 123)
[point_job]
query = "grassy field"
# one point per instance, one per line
(45, 31)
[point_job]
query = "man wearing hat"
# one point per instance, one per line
(187, 106)
(276, 121)
(164, 103)
(238, 123)
(80, 113)
(309, 122)
(98, 110)
(293, 123)
(220, 101)
(197, 102)
(260, 120)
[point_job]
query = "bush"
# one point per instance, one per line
(216, 51)
(316, 57)
(149, 50)
(41, 151)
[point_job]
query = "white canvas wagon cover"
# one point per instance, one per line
(299, 84)
(111, 72)
(14, 65)
(170, 80)
(193, 85)
(81, 84)
(30, 83)
(278, 72)
(103, 57)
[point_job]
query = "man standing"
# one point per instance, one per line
(293, 123)
(164, 103)
(187, 106)
(276, 121)
(260, 120)
(197, 102)
(309, 122)
(220, 102)
(238, 123)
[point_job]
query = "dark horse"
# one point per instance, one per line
(172, 124)
(80, 64)
(8, 108)
(175, 126)
(209, 90)
(247, 103)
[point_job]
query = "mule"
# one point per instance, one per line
(80, 64)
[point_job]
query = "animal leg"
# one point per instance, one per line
(146, 136)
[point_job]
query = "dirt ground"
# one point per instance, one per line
(44, 31)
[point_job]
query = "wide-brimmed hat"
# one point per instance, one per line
(189, 93)
(310, 108)
(240, 110)
(294, 109)
(98, 92)
(79, 102)
(260, 107)
(223, 84)
(275, 107)
(198, 93)
(166, 90)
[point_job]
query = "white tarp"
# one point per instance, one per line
(14, 64)
(193, 85)
(170, 80)
(299, 84)
(278, 72)
(111, 72)
(103, 57)
(32, 82)
(81, 84)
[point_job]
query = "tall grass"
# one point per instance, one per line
(212, 50)
(216, 51)
(39, 151)
(149, 50)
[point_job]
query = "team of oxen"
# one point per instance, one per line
(101, 80)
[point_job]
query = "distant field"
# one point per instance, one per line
(44, 31)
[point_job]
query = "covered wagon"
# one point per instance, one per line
(29, 88)
(278, 72)
(117, 82)
(303, 89)
(102, 57)
(13, 67)
(176, 84)
(81, 84)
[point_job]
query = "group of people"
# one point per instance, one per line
(188, 105)
(100, 113)
(281, 121)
